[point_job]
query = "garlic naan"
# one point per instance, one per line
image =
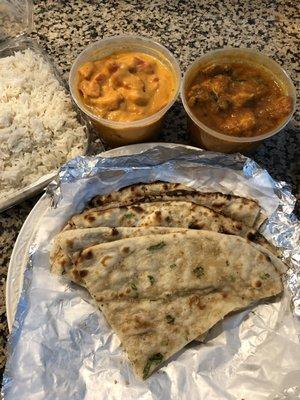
(159, 292)
(241, 209)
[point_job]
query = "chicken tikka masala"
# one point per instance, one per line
(125, 86)
(238, 99)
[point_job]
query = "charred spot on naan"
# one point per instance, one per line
(194, 225)
(197, 302)
(158, 216)
(87, 254)
(63, 262)
(114, 232)
(70, 243)
(105, 260)
(137, 208)
(83, 273)
(90, 218)
(76, 275)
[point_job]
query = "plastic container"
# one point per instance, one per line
(116, 133)
(207, 138)
(15, 25)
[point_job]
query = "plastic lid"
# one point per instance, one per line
(15, 18)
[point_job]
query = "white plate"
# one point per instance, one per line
(25, 238)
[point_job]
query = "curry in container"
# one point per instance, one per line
(125, 86)
(238, 99)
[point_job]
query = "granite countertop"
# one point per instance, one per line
(189, 29)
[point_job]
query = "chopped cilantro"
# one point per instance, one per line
(199, 272)
(170, 319)
(156, 359)
(264, 276)
(128, 215)
(232, 278)
(133, 286)
(173, 266)
(151, 279)
(157, 246)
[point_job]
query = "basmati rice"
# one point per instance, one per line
(39, 130)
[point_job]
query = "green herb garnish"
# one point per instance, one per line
(151, 279)
(128, 215)
(157, 246)
(155, 359)
(265, 276)
(199, 272)
(170, 319)
(173, 266)
(232, 278)
(133, 286)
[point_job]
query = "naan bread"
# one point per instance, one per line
(139, 257)
(71, 241)
(159, 292)
(176, 214)
(238, 208)
(181, 214)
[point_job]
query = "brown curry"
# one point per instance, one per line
(238, 99)
(126, 86)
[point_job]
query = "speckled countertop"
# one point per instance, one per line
(189, 29)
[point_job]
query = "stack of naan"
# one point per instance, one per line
(165, 262)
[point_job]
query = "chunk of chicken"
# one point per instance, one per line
(238, 122)
(123, 78)
(111, 101)
(218, 84)
(86, 70)
(90, 88)
(198, 94)
(244, 91)
(142, 66)
(276, 107)
(137, 97)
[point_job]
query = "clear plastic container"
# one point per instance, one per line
(207, 138)
(116, 133)
(15, 25)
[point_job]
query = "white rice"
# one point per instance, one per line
(38, 127)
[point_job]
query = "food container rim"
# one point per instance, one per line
(228, 137)
(113, 39)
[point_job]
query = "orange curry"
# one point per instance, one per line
(238, 99)
(125, 86)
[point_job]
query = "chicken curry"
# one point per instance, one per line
(126, 86)
(238, 99)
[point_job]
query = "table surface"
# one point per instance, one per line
(188, 29)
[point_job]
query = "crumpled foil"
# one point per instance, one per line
(61, 346)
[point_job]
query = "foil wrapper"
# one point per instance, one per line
(61, 347)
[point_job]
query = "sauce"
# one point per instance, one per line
(125, 86)
(238, 99)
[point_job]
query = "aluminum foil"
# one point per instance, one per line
(61, 346)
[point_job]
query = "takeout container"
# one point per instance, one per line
(205, 137)
(15, 27)
(116, 133)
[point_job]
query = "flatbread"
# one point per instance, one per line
(241, 209)
(68, 242)
(176, 214)
(181, 214)
(159, 292)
